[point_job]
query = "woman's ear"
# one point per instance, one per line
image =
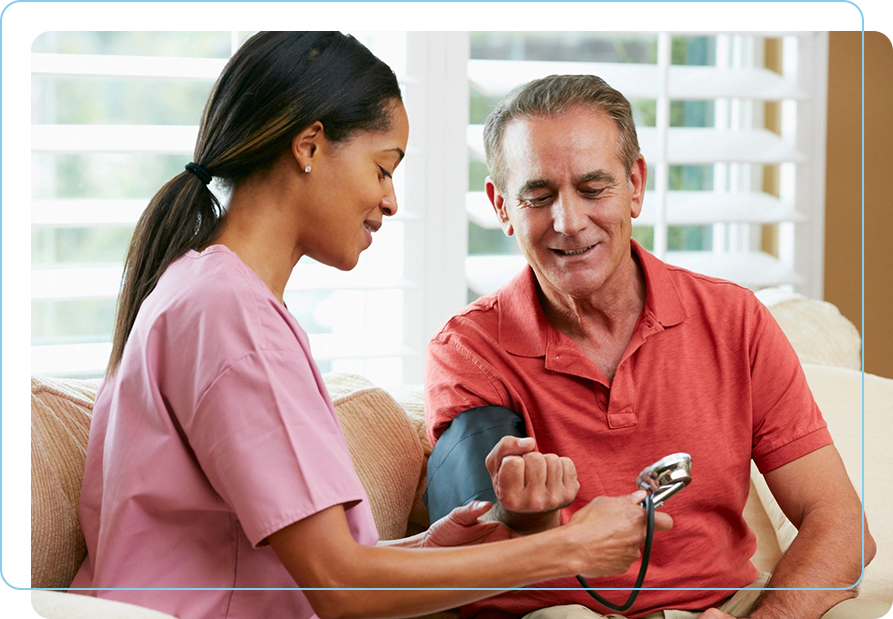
(305, 145)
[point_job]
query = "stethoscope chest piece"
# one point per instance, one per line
(666, 477)
(661, 480)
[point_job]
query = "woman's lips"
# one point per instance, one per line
(368, 228)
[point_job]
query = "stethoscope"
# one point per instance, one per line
(661, 480)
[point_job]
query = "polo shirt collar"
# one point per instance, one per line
(662, 298)
(524, 329)
(523, 326)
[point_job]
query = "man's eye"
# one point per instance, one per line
(592, 192)
(538, 201)
(384, 173)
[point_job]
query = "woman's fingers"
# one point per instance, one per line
(468, 515)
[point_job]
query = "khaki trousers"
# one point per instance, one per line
(739, 605)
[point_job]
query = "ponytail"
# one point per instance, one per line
(183, 215)
(274, 86)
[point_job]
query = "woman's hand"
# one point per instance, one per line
(610, 530)
(461, 527)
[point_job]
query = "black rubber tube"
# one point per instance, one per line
(648, 504)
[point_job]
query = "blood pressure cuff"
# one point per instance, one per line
(457, 471)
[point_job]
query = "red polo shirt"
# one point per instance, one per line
(708, 371)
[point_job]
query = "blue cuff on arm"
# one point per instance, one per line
(457, 471)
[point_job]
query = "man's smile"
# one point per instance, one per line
(573, 252)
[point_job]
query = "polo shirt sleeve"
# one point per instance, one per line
(787, 422)
(456, 379)
(270, 444)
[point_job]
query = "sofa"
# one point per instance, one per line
(386, 436)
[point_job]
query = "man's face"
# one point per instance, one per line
(568, 199)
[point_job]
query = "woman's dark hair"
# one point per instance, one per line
(276, 85)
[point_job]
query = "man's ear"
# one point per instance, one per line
(637, 177)
(305, 145)
(498, 202)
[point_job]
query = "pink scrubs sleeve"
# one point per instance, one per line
(270, 443)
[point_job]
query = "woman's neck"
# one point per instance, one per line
(257, 230)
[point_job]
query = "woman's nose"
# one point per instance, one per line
(388, 204)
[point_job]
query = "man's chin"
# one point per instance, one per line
(579, 285)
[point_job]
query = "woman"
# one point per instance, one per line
(215, 458)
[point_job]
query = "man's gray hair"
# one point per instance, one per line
(549, 97)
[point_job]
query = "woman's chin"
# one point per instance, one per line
(350, 264)
(342, 263)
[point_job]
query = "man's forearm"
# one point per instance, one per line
(523, 523)
(826, 553)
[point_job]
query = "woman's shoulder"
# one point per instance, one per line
(213, 296)
(213, 279)
(214, 271)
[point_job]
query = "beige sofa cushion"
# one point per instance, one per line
(56, 605)
(838, 392)
(768, 552)
(384, 447)
(413, 403)
(816, 329)
(60, 424)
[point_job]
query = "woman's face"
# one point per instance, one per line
(353, 191)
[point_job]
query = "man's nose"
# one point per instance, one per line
(568, 216)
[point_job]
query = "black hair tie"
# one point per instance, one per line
(199, 171)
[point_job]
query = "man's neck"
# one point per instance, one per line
(609, 312)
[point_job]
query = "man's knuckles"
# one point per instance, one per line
(534, 459)
(512, 465)
(507, 446)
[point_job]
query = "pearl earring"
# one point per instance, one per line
(307, 169)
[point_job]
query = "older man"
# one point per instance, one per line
(614, 359)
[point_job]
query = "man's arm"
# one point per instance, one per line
(815, 493)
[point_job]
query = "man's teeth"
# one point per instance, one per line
(575, 252)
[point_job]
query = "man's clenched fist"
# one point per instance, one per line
(528, 482)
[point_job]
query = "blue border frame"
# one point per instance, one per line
(22, 20)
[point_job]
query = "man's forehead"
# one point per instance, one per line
(577, 142)
(572, 120)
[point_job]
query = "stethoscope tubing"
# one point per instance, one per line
(648, 504)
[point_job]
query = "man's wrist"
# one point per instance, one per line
(526, 523)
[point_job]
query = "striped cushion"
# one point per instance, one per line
(60, 424)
